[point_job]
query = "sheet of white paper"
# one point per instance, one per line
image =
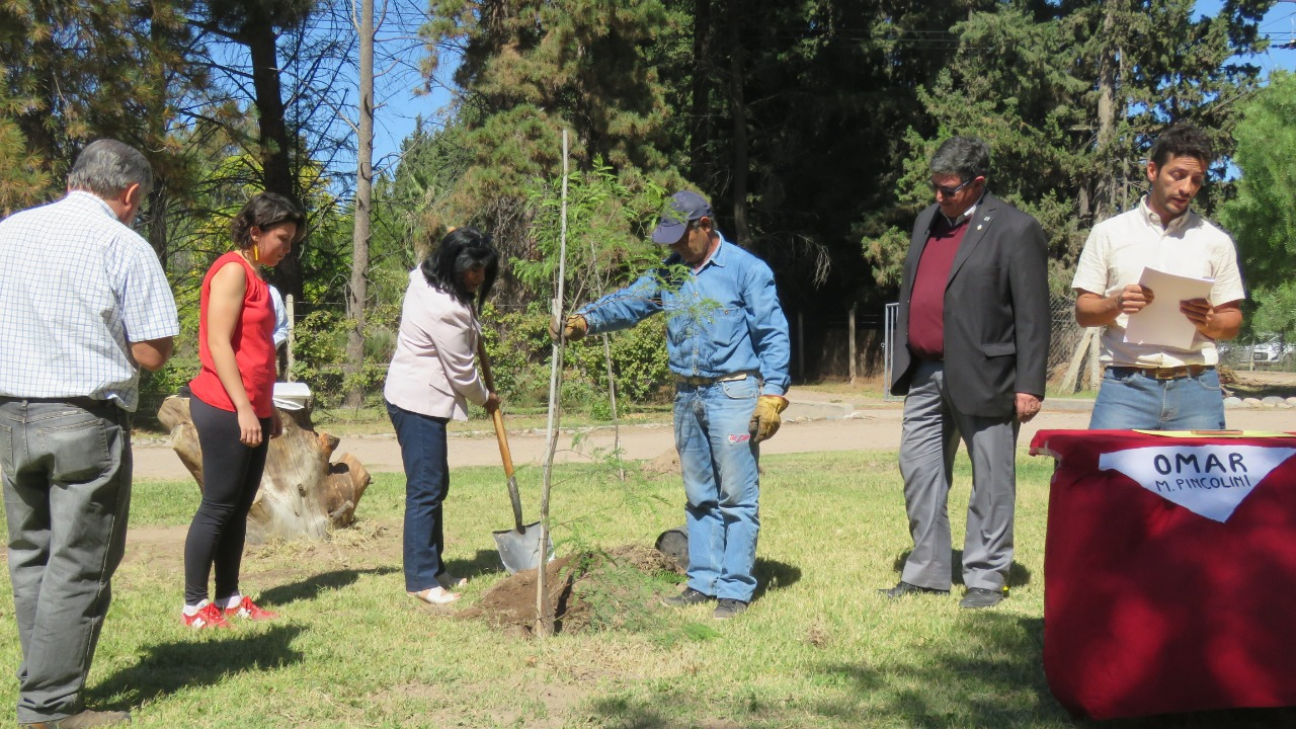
(1161, 323)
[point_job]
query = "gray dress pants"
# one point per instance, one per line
(931, 432)
(67, 477)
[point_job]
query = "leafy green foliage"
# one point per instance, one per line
(518, 344)
(320, 351)
(74, 72)
(1031, 79)
(608, 220)
(1262, 218)
(529, 69)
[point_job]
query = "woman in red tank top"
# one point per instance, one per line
(232, 406)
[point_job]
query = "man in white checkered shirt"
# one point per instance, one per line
(83, 304)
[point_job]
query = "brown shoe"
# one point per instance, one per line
(84, 720)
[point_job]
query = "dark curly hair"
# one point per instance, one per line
(264, 211)
(1180, 141)
(460, 250)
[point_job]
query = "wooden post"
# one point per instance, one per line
(1071, 380)
(292, 325)
(850, 337)
(1095, 355)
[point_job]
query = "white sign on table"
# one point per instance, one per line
(1209, 480)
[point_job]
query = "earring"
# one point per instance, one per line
(256, 254)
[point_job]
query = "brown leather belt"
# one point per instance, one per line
(1168, 373)
(700, 381)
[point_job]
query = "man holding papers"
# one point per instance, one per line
(1164, 283)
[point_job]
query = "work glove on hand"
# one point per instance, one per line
(575, 328)
(765, 419)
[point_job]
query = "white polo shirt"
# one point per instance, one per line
(76, 289)
(1120, 248)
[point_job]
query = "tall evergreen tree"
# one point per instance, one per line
(74, 72)
(1070, 96)
(531, 67)
(1262, 217)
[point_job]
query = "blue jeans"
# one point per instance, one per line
(67, 484)
(422, 441)
(1131, 399)
(719, 461)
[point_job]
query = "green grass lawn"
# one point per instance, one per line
(818, 648)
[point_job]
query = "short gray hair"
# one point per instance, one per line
(106, 167)
(967, 157)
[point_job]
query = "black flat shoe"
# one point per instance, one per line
(982, 597)
(904, 588)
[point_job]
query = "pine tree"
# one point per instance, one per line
(75, 72)
(1071, 95)
(530, 68)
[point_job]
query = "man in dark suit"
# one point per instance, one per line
(975, 296)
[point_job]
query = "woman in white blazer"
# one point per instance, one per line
(431, 379)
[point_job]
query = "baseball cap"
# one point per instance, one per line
(684, 208)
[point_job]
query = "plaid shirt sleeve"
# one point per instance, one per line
(148, 309)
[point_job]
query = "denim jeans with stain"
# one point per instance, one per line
(720, 464)
(67, 480)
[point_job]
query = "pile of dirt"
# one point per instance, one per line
(667, 463)
(584, 590)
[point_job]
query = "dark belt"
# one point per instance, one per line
(1169, 373)
(700, 381)
(85, 403)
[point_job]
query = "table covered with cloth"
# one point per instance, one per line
(1170, 571)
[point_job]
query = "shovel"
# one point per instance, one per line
(519, 547)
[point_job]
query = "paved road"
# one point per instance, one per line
(877, 428)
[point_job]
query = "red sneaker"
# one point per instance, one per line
(248, 610)
(208, 617)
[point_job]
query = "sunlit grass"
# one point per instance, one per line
(818, 648)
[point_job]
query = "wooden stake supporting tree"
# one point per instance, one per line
(544, 617)
(302, 494)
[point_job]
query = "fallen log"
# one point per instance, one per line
(302, 494)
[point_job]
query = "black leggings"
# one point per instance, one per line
(231, 476)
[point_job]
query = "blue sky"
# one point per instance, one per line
(396, 120)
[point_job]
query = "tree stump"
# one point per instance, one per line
(302, 494)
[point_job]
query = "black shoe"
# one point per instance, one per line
(982, 597)
(686, 598)
(904, 588)
(729, 608)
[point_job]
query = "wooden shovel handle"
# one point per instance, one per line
(498, 416)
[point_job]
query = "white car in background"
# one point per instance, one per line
(1272, 352)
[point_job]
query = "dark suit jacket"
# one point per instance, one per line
(997, 316)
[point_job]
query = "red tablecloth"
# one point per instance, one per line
(1151, 608)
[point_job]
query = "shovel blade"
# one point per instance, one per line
(521, 551)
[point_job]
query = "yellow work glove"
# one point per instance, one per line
(575, 328)
(765, 419)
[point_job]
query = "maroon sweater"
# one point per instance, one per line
(927, 299)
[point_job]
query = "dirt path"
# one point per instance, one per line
(877, 428)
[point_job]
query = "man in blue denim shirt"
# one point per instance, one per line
(727, 341)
